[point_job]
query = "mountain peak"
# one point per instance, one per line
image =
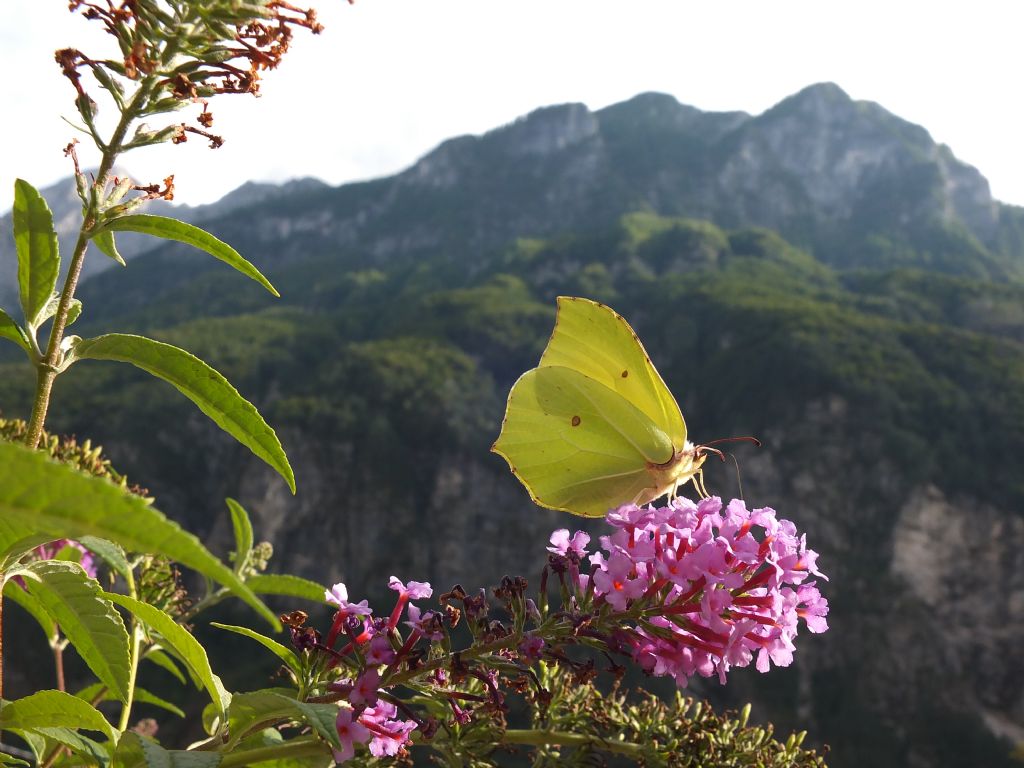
(548, 130)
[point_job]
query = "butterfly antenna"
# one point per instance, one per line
(748, 439)
(705, 449)
(739, 480)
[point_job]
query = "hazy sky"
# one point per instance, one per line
(389, 79)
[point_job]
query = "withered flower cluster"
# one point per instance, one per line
(174, 53)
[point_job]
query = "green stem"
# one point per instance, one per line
(136, 652)
(133, 670)
(48, 365)
(565, 739)
(304, 746)
(469, 653)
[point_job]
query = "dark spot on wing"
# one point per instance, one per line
(625, 374)
(575, 421)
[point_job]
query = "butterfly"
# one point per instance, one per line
(593, 426)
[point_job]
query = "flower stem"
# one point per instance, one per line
(303, 746)
(563, 738)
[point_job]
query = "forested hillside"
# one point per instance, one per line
(822, 276)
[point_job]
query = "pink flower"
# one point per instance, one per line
(380, 651)
(618, 581)
(416, 590)
(562, 544)
(426, 623)
(364, 692)
(338, 595)
(389, 733)
(350, 733)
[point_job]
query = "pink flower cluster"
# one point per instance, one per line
(708, 588)
(367, 717)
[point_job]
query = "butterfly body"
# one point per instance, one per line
(594, 426)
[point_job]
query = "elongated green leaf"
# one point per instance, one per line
(6, 759)
(135, 751)
(11, 330)
(286, 584)
(94, 752)
(105, 242)
(108, 552)
(110, 84)
(39, 745)
(16, 594)
(74, 601)
(142, 696)
(49, 709)
(36, 243)
(284, 653)
(260, 708)
(172, 229)
(177, 638)
(165, 662)
(42, 500)
(199, 383)
(243, 533)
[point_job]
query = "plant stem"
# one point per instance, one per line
(136, 651)
(563, 738)
(48, 365)
(304, 746)
(58, 664)
(133, 669)
(1, 639)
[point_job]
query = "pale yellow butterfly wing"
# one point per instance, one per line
(596, 341)
(578, 445)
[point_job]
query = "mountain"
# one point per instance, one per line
(822, 276)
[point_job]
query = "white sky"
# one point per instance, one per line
(389, 79)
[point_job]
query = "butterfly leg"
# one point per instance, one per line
(698, 483)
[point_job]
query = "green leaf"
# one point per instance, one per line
(110, 84)
(142, 696)
(14, 592)
(51, 309)
(45, 709)
(172, 229)
(165, 662)
(108, 552)
(177, 639)
(286, 584)
(6, 759)
(42, 500)
(95, 753)
(135, 751)
(38, 255)
(257, 709)
(284, 653)
(74, 601)
(243, 533)
(105, 242)
(201, 384)
(11, 330)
